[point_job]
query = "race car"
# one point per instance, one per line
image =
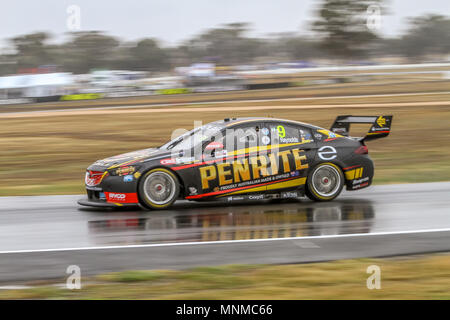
(240, 159)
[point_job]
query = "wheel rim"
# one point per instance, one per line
(326, 180)
(159, 187)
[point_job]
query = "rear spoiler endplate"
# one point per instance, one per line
(381, 125)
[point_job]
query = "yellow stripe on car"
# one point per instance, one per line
(279, 185)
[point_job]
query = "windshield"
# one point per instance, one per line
(193, 137)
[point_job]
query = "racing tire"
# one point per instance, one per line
(158, 189)
(325, 182)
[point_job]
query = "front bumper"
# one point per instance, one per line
(96, 197)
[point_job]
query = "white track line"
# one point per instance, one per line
(175, 244)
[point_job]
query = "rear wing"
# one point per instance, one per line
(381, 125)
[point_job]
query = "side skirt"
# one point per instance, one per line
(294, 194)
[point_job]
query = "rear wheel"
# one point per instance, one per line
(158, 188)
(325, 182)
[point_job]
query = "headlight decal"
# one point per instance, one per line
(93, 178)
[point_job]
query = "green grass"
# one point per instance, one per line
(425, 277)
(133, 276)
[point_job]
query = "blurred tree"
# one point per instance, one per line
(89, 50)
(342, 26)
(31, 50)
(289, 46)
(299, 48)
(428, 34)
(148, 55)
(7, 63)
(225, 45)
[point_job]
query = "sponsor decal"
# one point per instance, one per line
(265, 140)
(137, 175)
(192, 190)
(381, 121)
(252, 170)
(339, 130)
(168, 161)
(295, 173)
(289, 194)
(184, 160)
(269, 183)
(305, 136)
(289, 140)
(116, 197)
(381, 129)
(329, 134)
(235, 198)
(265, 131)
(359, 186)
(356, 181)
(128, 178)
(318, 136)
(256, 197)
(123, 171)
(327, 153)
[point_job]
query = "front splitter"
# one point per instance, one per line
(100, 204)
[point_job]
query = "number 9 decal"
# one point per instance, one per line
(281, 131)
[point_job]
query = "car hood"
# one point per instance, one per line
(131, 157)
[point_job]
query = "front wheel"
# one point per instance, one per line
(158, 189)
(325, 182)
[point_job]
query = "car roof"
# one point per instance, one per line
(228, 122)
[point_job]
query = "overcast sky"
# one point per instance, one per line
(175, 20)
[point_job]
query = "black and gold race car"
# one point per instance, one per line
(240, 159)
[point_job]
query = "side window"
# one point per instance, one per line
(240, 137)
(282, 133)
(306, 135)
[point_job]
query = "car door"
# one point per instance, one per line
(291, 153)
(247, 165)
(226, 166)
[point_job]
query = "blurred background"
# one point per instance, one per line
(58, 50)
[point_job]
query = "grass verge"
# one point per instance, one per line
(424, 277)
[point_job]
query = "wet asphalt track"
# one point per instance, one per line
(41, 236)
